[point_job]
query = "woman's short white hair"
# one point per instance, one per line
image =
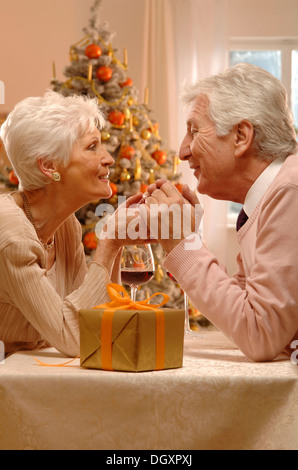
(46, 128)
(247, 92)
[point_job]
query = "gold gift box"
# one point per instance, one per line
(134, 339)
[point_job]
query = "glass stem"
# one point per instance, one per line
(186, 308)
(133, 293)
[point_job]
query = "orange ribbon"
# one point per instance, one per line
(44, 364)
(120, 300)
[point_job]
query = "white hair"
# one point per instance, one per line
(247, 92)
(47, 128)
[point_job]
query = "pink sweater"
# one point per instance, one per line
(257, 308)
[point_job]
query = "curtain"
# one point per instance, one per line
(185, 40)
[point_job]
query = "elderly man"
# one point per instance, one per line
(241, 144)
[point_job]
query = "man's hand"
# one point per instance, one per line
(172, 216)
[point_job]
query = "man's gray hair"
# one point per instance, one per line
(247, 92)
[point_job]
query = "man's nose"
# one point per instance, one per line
(184, 152)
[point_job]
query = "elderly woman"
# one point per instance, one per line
(240, 143)
(54, 146)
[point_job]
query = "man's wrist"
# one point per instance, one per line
(169, 245)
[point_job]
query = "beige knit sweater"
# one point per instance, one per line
(38, 307)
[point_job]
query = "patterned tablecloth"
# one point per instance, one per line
(218, 400)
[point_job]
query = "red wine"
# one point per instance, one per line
(136, 278)
(171, 277)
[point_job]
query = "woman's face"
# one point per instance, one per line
(87, 175)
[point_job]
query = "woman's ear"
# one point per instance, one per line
(47, 168)
(244, 133)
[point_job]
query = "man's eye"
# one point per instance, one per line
(194, 132)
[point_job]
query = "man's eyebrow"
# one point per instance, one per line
(190, 123)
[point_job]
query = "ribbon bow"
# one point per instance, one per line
(120, 300)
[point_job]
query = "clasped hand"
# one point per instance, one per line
(178, 214)
(162, 215)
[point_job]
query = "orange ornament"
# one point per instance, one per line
(104, 73)
(113, 188)
(93, 51)
(179, 186)
(128, 82)
(117, 118)
(13, 178)
(127, 151)
(90, 241)
(139, 265)
(144, 187)
(154, 128)
(159, 156)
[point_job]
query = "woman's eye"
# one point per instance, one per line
(92, 146)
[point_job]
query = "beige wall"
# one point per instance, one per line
(266, 18)
(33, 33)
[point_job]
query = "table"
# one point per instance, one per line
(218, 400)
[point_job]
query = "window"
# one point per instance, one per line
(268, 60)
(277, 56)
(280, 58)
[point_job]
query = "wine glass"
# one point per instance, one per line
(189, 333)
(137, 267)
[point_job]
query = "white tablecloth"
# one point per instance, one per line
(218, 400)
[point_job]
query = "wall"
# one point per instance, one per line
(263, 18)
(33, 33)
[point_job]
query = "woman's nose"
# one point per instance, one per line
(108, 160)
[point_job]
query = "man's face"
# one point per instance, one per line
(211, 157)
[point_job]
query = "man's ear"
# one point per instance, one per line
(47, 168)
(244, 133)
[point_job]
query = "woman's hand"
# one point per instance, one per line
(124, 227)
